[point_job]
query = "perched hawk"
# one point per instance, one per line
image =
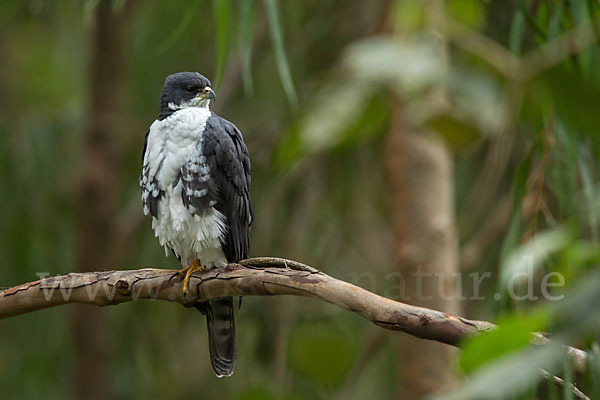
(195, 184)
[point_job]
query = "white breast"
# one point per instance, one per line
(171, 143)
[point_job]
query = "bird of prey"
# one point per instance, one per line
(195, 184)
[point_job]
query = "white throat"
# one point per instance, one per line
(195, 102)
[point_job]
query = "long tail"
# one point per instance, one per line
(221, 334)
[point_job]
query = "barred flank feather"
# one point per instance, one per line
(221, 334)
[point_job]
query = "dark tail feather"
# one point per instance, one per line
(221, 334)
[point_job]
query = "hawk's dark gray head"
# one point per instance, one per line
(184, 89)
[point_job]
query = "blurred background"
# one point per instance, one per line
(388, 139)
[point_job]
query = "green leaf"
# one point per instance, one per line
(586, 164)
(561, 174)
(256, 393)
(526, 259)
(517, 32)
(188, 17)
(578, 313)
(289, 149)
(342, 114)
(372, 120)
(568, 378)
(519, 188)
(409, 66)
(509, 375)
(531, 21)
(246, 33)
(407, 15)
(580, 13)
(458, 133)
(10, 10)
(335, 108)
(573, 97)
(221, 10)
(323, 355)
(540, 20)
(467, 12)
(514, 332)
(280, 56)
(555, 18)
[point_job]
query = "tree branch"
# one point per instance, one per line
(256, 277)
(578, 394)
(261, 276)
(528, 66)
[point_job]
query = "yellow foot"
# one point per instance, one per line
(187, 272)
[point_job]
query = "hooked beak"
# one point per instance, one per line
(209, 94)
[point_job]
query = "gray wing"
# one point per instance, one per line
(219, 177)
(151, 191)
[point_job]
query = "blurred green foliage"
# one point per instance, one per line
(331, 348)
(514, 333)
(312, 85)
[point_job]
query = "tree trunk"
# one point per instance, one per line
(420, 181)
(99, 189)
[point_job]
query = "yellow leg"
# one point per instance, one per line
(188, 271)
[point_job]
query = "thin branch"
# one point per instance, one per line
(523, 68)
(261, 276)
(492, 52)
(561, 383)
(578, 357)
(559, 49)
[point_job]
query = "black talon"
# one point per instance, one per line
(173, 276)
